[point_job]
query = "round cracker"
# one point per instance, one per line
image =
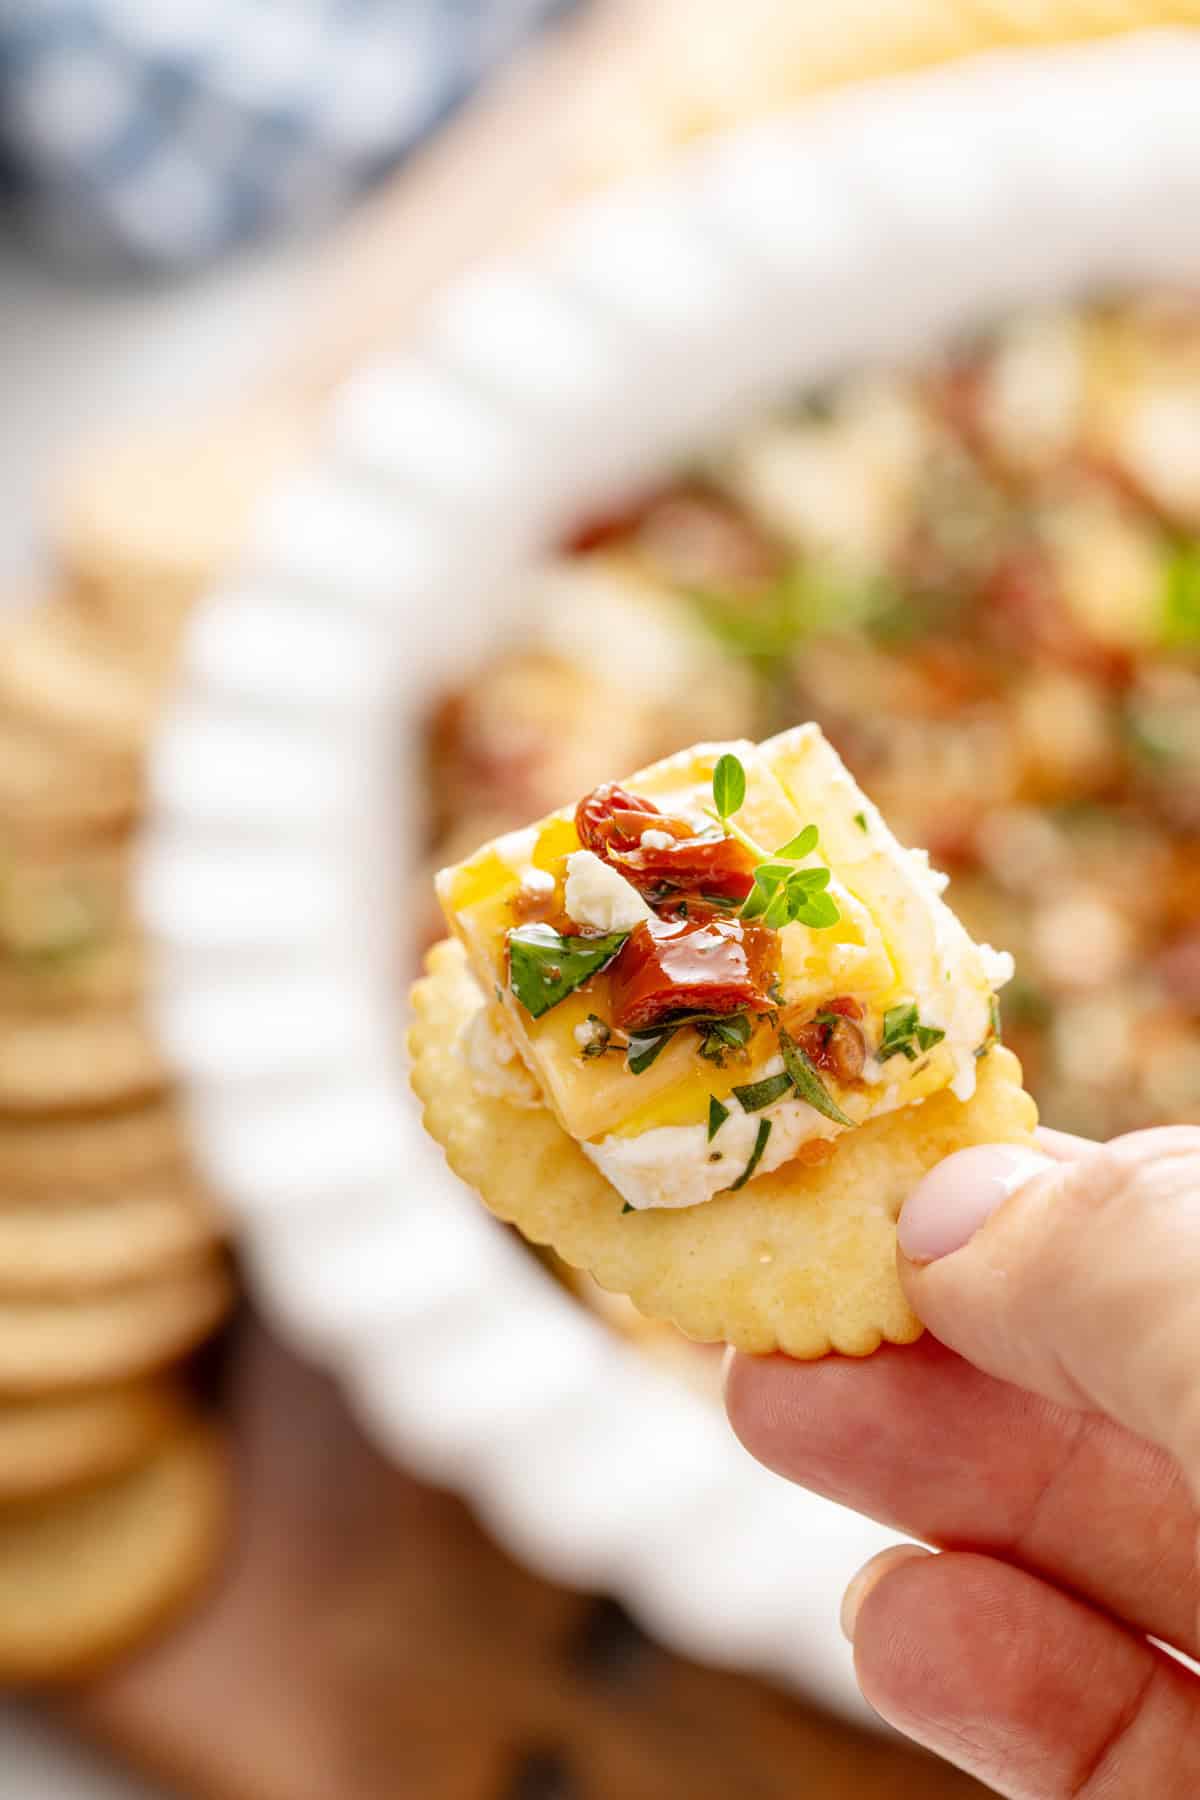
(60, 1346)
(70, 1159)
(68, 932)
(57, 673)
(86, 1577)
(147, 522)
(802, 1260)
(109, 975)
(82, 1063)
(53, 1445)
(57, 786)
(126, 1237)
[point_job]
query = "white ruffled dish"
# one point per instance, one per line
(287, 803)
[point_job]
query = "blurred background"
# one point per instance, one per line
(982, 575)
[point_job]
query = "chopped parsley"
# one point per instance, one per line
(904, 1035)
(717, 1115)
(544, 967)
(627, 1208)
(860, 819)
(757, 1094)
(797, 1076)
(760, 1144)
(717, 1036)
(807, 1083)
(645, 1046)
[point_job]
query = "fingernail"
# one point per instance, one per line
(947, 1208)
(870, 1575)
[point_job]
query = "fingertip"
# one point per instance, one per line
(743, 1392)
(958, 1195)
(869, 1578)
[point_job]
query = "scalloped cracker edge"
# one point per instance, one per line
(802, 1260)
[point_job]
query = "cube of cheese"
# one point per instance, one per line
(896, 950)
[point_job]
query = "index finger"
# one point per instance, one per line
(921, 1441)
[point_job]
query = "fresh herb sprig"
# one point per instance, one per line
(783, 893)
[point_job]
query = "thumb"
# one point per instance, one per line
(1079, 1281)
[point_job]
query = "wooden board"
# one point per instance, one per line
(368, 1640)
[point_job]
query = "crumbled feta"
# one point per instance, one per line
(598, 896)
(657, 840)
(592, 1033)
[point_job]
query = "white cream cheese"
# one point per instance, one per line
(676, 1165)
(598, 896)
(494, 1061)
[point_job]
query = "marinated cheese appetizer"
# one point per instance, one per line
(723, 997)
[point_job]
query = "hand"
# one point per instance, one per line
(1049, 1445)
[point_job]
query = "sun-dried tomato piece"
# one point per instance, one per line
(831, 1039)
(692, 965)
(690, 865)
(612, 824)
(610, 819)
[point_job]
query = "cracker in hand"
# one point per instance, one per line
(704, 1032)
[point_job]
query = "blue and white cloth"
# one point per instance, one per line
(161, 132)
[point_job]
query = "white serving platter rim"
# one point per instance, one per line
(867, 227)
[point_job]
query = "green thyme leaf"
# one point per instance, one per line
(645, 1046)
(544, 967)
(803, 844)
(860, 819)
(717, 1115)
(760, 1144)
(757, 1094)
(626, 1208)
(729, 785)
(756, 902)
(807, 1083)
(780, 910)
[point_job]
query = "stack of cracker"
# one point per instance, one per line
(113, 1265)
